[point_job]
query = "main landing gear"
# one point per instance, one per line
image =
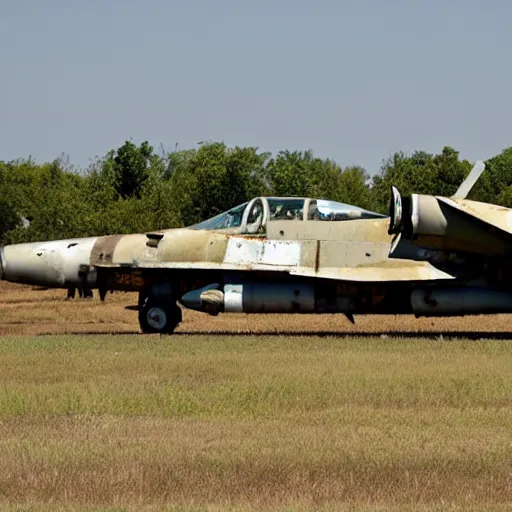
(157, 315)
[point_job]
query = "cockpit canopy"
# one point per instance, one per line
(252, 216)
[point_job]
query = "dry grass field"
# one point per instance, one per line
(249, 413)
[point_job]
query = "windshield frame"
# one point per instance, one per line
(327, 210)
(236, 213)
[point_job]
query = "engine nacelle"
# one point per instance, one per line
(459, 301)
(252, 297)
(438, 223)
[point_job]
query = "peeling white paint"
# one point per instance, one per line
(265, 252)
(281, 253)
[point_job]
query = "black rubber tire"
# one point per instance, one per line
(159, 317)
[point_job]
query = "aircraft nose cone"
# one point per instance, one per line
(28, 264)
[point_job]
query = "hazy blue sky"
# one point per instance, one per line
(354, 80)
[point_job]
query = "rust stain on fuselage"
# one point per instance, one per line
(177, 245)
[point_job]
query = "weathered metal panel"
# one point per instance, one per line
(132, 248)
(350, 254)
(242, 251)
(309, 253)
(189, 245)
(374, 230)
(260, 251)
(280, 253)
(103, 251)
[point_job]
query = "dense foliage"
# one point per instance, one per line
(136, 189)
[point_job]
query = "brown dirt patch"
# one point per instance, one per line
(26, 310)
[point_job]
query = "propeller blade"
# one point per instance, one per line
(471, 179)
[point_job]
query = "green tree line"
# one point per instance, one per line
(137, 188)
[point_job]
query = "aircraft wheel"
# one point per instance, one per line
(159, 317)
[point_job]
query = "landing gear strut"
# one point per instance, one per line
(159, 316)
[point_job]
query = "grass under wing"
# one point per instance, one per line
(255, 422)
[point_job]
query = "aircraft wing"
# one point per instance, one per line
(384, 271)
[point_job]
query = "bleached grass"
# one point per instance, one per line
(277, 423)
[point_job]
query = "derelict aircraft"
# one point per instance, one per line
(432, 256)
